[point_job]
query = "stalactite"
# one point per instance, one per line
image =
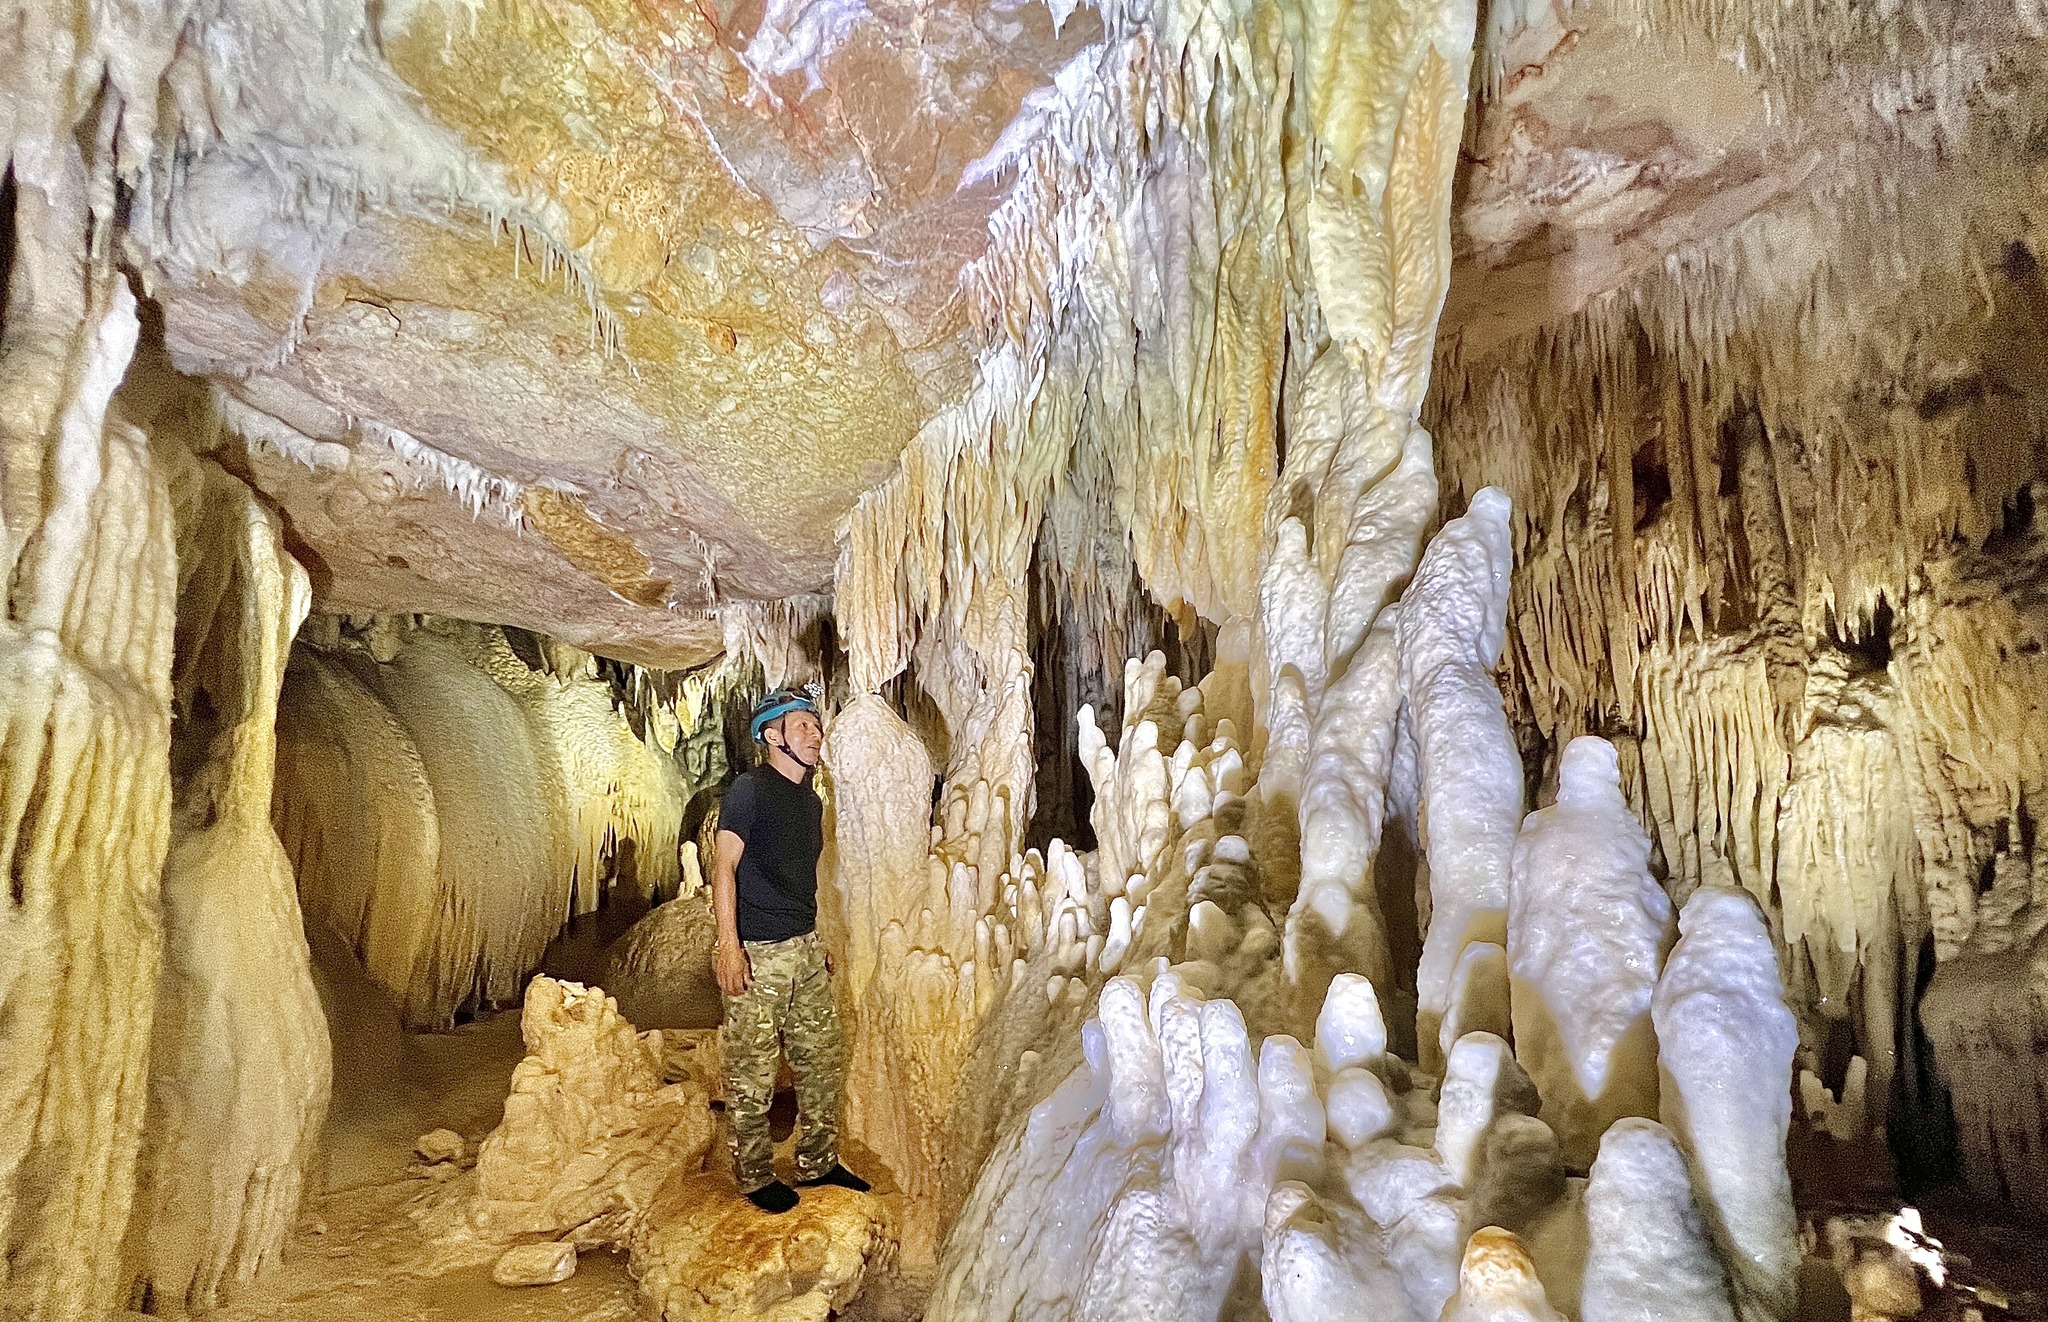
(502, 838)
(612, 786)
(239, 1072)
(1732, 543)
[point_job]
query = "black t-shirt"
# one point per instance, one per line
(783, 825)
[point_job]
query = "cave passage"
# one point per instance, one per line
(1427, 620)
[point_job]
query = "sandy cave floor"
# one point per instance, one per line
(357, 1254)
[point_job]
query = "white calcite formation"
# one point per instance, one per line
(239, 1066)
(1725, 1042)
(1649, 1252)
(1181, 1148)
(1056, 324)
(1470, 773)
(1179, 1157)
(1587, 932)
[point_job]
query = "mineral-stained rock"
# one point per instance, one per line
(536, 1264)
(707, 1254)
(660, 970)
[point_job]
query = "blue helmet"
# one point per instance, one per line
(778, 704)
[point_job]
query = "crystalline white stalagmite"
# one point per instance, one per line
(1343, 805)
(1587, 930)
(1480, 992)
(1725, 1043)
(1651, 1258)
(1453, 624)
(1481, 1082)
(1322, 1262)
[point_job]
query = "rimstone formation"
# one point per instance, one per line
(1431, 622)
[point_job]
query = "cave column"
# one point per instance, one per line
(240, 1071)
(85, 666)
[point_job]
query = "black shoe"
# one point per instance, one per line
(775, 1198)
(840, 1176)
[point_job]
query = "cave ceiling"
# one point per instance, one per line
(726, 290)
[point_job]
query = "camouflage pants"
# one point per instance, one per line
(786, 1008)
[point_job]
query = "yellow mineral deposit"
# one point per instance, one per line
(1423, 613)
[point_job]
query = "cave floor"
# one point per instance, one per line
(357, 1253)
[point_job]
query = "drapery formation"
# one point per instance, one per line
(448, 806)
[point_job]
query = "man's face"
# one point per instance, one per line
(802, 737)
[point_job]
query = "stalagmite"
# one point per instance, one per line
(1320, 1262)
(1650, 1254)
(660, 970)
(1453, 624)
(591, 1133)
(1342, 809)
(596, 1151)
(1587, 931)
(1725, 1042)
(1497, 1282)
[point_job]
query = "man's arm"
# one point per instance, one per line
(730, 963)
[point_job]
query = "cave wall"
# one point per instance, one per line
(168, 1063)
(92, 610)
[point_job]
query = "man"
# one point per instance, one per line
(771, 967)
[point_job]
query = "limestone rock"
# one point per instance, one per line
(595, 1150)
(660, 970)
(536, 1264)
